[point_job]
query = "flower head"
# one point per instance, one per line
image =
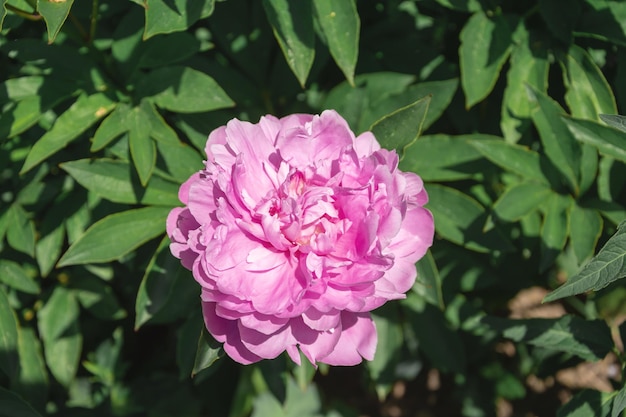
(295, 230)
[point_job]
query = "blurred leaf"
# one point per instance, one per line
(460, 219)
(428, 283)
(183, 89)
(13, 406)
(97, 297)
(266, 405)
(292, 23)
(608, 140)
(86, 111)
(587, 339)
(519, 200)
(13, 275)
(390, 340)
(157, 284)
(604, 20)
(32, 384)
(340, 23)
(462, 5)
(619, 403)
(444, 157)
(585, 231)
(116, 235)
(113, 180)
(558, 143)
(8, 338)
(485, 46)
(54, 13)
(560, 21)
(62, 340)
(3, 12)
(614, 120)
(166, 49)
(528, 65)
(555, 228)
(166, 16)
(52, 235)
(514, 158)
(142, 147)
(588, 93)
(442, 345)
(607, 266)
(111, 127)
(400, 129)
(587, 403)
(588, 167)
(20, 230)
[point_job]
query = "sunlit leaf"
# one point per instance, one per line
(163, 16)
(54, 14)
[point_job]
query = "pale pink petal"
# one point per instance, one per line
(357, 341)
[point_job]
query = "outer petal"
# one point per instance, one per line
(357, 341)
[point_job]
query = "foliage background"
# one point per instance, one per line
(106, 106)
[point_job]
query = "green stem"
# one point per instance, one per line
(94, 20)
(23, 13)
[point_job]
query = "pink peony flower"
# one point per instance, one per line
(296, 230)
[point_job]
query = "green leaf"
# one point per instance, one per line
(619, 403)
(8, 338)
(207, 353)
(97, 297)
(157, 284)
(607, 266)
(20, 116)
(514, 158)
(54, 14)
(587, 403)
(485, 47)
(460, 219)
(609, 141)
(86, 111)
(13, 406)
(462, 5)
(585, 231)
(340, 23)
(114, 181)
(159, 129)
(390, 340)
(555, 228)
(605, 20)
(183, 89)
(440, 343)
(13, 275)
(428, 283)
(400, 129)
(293, 27)
(519, 200)
(116, 235)
(20, 230)
(163, 16)
(588, 167)
(558, 143)
(52, 235)
(32, 384)
(142, 147)
(62, 340)
(561, 21)
(587, 339)
(111, 127)
(3, 12)
(588, 93)
(172, 154)
(444, 158)
(528, 65)
(614, 120)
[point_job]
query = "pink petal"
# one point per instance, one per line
(357, 341)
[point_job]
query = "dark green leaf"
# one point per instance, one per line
(607, 266)
(173, 154)
(111, 127)
(519, 200)
(142, 147)
(13, 275)
(587, 403)
(619, 403)
(207, 354)
(462, 5)
(114, 181)
(116, 235)
(588, 93)
(13, 406)
(428, 283)
(588, 339)
(52, 236)
(163, 16)
(558, 143)
(8, 338)
(340, 23)
(390, 341)
(604, 20)
(159, 129)
(609, 141)
(560, 20)
(443, 157)
(32, 384)
(585, 230)
(20, 230)
(97, 298)
(58, 314)
(292, 23)
(184, 90)
(514, 158)
(54, 14)
(485, 46)
(555, 228)
(400, 129)
(86, 111)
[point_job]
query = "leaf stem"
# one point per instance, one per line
(26, 15)
(94, 20)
